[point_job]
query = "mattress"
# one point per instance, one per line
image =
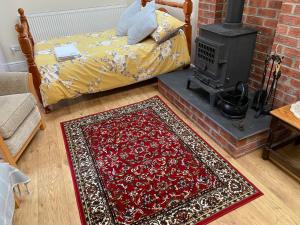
(106, 62)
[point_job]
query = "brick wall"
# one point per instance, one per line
(278, 23)
(210, 11)
(287, 43)
(263, 16)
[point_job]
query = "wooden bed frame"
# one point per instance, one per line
(27, 43)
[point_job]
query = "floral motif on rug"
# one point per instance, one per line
(141, 164)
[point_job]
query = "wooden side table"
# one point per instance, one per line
(284, 116)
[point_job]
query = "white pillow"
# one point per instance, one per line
(145, 24)
(126, 19)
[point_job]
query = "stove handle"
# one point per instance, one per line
(202, 66)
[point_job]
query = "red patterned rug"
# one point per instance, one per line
(141, 164)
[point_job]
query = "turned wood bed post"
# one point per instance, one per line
(27, 46)
(187, 7)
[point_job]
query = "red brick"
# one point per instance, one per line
(282, 29)
(288, 99)
(297, 66)
(287, 62)
(258, 3)
(198, 114)
(271, 23)
(227, 136)
(258, 70)
(254, 20)
(297, 10)
(262, 48)
(258, 62)
(256, 77)
(253, 146)
(202, 21)
(178, 104)
(286, 40)
(219, 7)
(250, 11)
(292, 52)
(295, 83)
(254, 84)
(204, 6)
(287, 8)
(289, 20)
(275, 4)
(271, 13)
(212, 124)
(221, 141)
(266, 40)
(266, 31)
(294, 32)
(203, 126)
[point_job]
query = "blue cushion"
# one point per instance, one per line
(126, 20)
(145, 24)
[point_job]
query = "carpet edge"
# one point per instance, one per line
(75, 186)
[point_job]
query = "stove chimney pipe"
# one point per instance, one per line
(235, 10)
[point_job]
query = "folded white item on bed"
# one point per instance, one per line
(145, 24)
(66, 52)
(126, 20)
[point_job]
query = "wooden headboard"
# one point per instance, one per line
(187, 7)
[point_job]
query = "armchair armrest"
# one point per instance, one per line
(15, 83)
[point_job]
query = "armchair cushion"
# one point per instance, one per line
(13, 83)
(13, 111)
(15, 142)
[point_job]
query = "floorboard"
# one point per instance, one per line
(52, 199)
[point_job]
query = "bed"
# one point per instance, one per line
(106, 61)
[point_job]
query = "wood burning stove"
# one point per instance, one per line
(224, 53)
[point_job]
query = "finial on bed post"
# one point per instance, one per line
(188, 9)
(24, 22)
(144, 2)
(27, 49)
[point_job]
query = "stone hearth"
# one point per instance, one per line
(223, 131)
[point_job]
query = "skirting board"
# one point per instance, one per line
(3, 67)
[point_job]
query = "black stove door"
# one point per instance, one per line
(209, 61)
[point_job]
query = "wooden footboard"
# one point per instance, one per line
(27, 46)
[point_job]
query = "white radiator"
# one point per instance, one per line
(45, 26)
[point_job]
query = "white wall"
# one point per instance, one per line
(3, 66)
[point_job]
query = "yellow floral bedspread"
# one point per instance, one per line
(106, 62)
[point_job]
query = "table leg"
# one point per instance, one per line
(297, 141)
(267, 148)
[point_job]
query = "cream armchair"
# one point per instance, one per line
(20, 117)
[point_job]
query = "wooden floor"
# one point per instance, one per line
(52, 200)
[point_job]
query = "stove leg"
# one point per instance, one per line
(212, 99)
(188, 84)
